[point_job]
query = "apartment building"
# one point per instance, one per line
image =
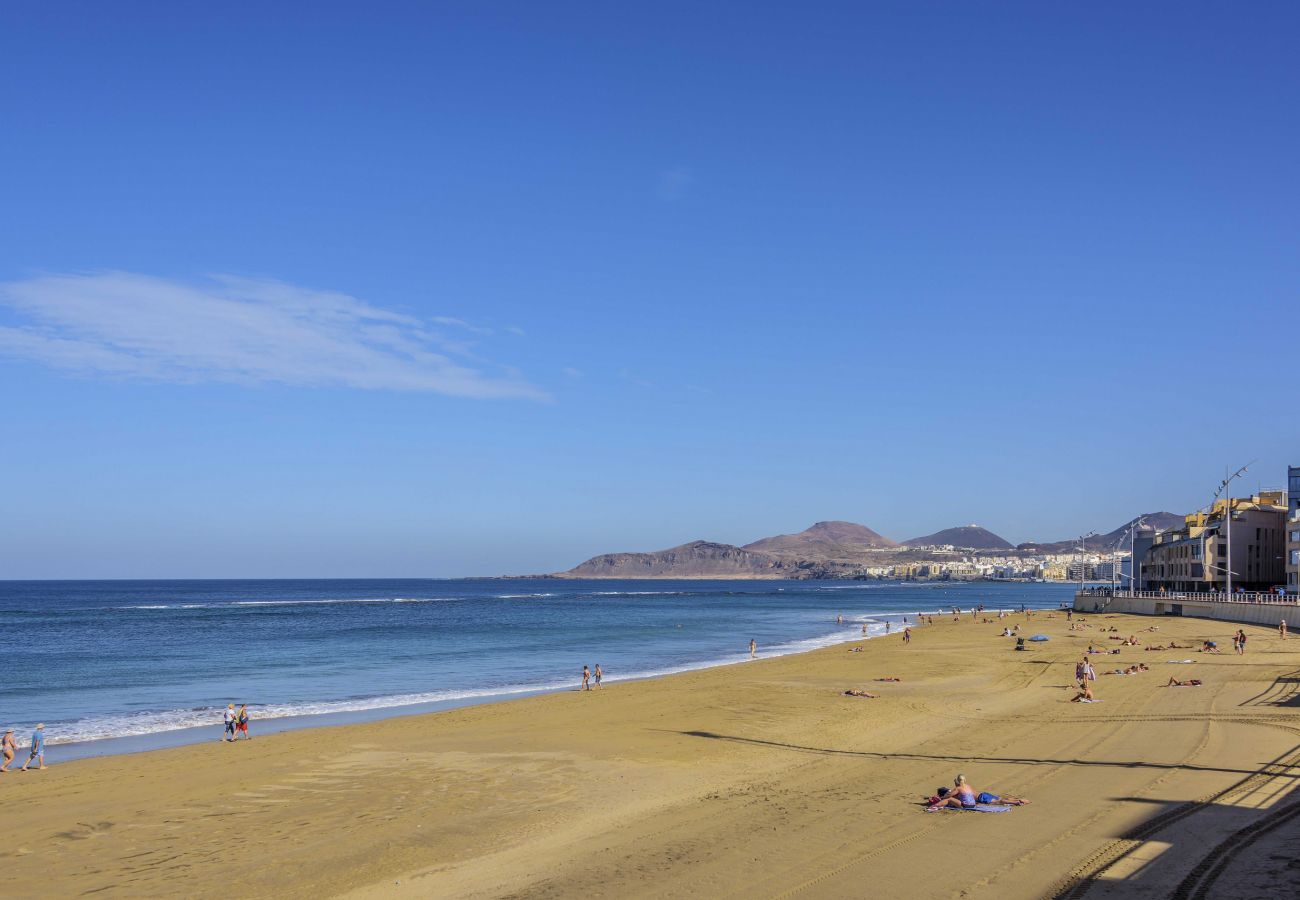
(1195, 556)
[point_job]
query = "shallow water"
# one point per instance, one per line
(101, 660)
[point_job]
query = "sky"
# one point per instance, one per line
(476, 288)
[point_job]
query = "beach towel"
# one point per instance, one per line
(978, 807)
(1180, 662)
(1085, 700)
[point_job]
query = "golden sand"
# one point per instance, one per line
(753, 780)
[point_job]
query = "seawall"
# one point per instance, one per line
(1258, 609)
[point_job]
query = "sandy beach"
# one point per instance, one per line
(755, 780)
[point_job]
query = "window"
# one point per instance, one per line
(1295, 557)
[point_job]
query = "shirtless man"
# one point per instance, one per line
(586, 679)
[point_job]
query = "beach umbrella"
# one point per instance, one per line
(1040, 637)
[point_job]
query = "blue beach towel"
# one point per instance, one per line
(979, 807)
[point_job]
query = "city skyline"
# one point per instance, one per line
(470, 291)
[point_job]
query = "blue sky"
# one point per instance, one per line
(480, 288)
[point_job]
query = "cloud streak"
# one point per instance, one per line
(240, 330)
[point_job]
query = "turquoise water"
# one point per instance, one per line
(103, 660)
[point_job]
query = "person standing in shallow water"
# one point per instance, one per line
(586, 679)
(600, 673)
(753, 647)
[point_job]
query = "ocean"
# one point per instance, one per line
(101, 663)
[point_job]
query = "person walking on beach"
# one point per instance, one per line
(9, 747)
(907, 635)
(586, 679)
(230, 723)
(1281, 629)
(754, 647)
(1241, 641)
(37, 749)
(241, 721)
(599, 674)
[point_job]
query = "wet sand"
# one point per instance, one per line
(755, 780)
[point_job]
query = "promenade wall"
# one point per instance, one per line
(1259, 609)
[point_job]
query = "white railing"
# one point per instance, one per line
(1205, 596)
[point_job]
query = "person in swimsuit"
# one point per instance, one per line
(1191, 682)
(241, 721)
(10, 747)
(963, 796)
(586, 679)
(599, 674)
(907, 635)
(753, 647)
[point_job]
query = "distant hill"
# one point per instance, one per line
(968, 536)
(698, 559)
(824, 541)
(1111, 540)
(825, 550)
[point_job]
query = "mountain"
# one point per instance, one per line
(823, 541)
(1117, 539)
(965, 536)
(698, 559)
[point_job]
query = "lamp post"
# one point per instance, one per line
(1132, 556)
(1083, 545)
(1227, 523)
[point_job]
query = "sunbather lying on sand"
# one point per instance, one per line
(891, 678)
(1131, 670)
(858, 692)
(1191, 682)
(963, 796)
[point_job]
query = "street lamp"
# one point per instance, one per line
(1083, 545)
(1227, 523)
(1132, 554)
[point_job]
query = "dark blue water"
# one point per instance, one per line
(97, 660)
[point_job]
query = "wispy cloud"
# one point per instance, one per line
(240, 330)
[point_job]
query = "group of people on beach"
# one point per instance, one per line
(589, 681)
(36, 752)
(236, 722)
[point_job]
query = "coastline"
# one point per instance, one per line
(145, 742)
(758, 779)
